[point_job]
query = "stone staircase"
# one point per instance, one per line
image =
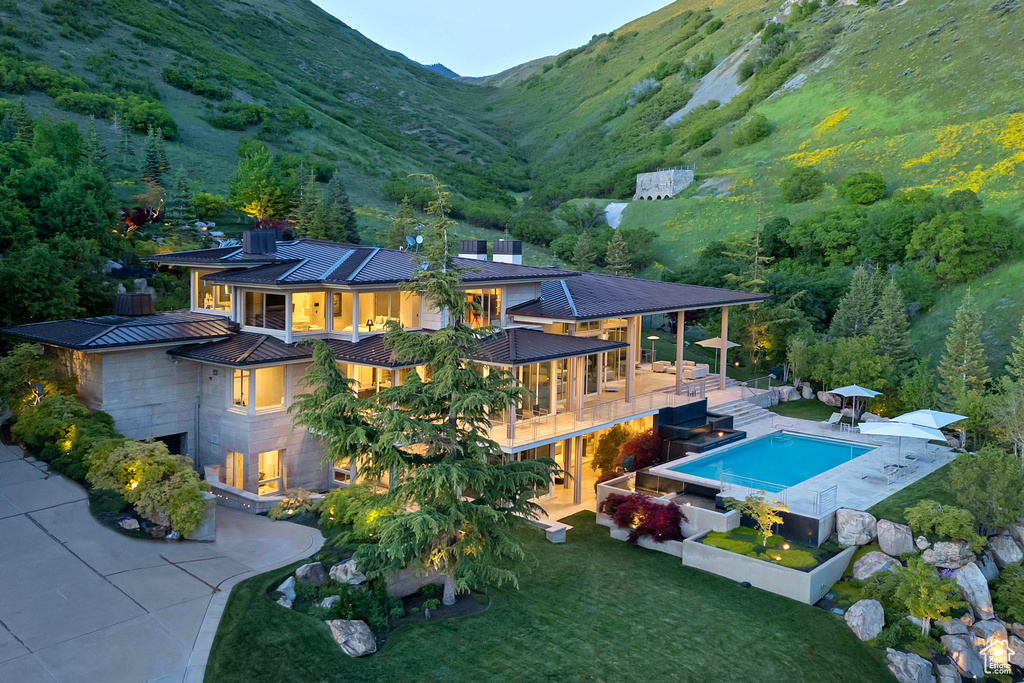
(743, 412)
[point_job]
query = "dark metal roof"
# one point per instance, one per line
(307, 261)
(247, 349)
(592, 296)
(523, 346)
(110, 331)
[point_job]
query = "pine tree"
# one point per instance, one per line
(180, 204)
(315, 218)
(125, 148)
(152, 167)
(337, 198)
(94, 154)
(584, 254)
(891, 329)
(7, 129)
(964, 368)
(161, 149)
(618, 257)
(1015, 361)
(431, 434)
(22, 120)
(856, 310)
(402, 225)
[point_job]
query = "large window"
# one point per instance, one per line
(265, 310)
(487, 310)
(210, 297)
(236, 469)
(271, 479)
(308, 312)
(376, 309)
(537, 378)
(262, 388)
(616, 367)
(371, 380)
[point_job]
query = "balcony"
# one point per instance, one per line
(658, 391)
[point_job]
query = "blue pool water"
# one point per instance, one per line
(781, 458)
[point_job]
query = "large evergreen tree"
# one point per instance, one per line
(856, 309)
(94, 154)
(22, 121)
(891, 329)
(7, 129)
(337, 199)
(618, 257)
(457, 511)
(315, 218)
(964, 368)
(256, 190)
(584, 254)
(402, 225)
(152, 168)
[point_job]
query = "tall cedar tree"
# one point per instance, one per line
(337, 200)
(433, 439)
(964, 368)
(402, 225)
(856, 310)
(891, 329)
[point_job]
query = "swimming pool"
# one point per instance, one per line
(780, 458)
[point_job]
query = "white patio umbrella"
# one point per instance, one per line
(929, 418)
(855, 391)
(716, 344)
(901, 429)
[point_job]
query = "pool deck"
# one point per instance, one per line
(859, 483)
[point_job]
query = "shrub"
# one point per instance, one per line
(862, 188)
(357, 506)
(644, 518)
(881, 586)
(1008, 594)
(801, 183)
(699, 136)
(163, 487)
(990, 485)
(746, 70)
(644, 448)
(754, 129)
(944, 521)
(295, 502)
(608, 447)
(432, 603)
(106, 501)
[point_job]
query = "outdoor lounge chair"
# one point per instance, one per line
(832, 420)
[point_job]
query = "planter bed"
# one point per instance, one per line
(805, 585)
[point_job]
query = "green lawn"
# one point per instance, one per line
(935, 487)
(591, 609)
(804, 409)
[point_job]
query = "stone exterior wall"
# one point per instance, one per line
(662, 184)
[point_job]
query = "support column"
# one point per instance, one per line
(567, 463)
(355, 316)
(553, 388)
(680, 349)
(630, 357)
(511, 411)
(288, 318)
(577, 485)
(601, 360)
(725, 338)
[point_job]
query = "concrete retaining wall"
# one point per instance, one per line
(805, 587)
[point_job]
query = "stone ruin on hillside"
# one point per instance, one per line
(663, 183)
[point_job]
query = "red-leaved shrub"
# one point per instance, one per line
(644, 448)
(644, 518)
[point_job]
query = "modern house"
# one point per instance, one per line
(215, 382)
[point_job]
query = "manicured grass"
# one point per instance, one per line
(591, 609)
(804, 409)
(935, 486)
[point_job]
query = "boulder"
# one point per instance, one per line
(866, 618)
(974, 589)
(909, 668)
(949, 554)
(1005, 551)
(871, 417)
(922, 543)
(1016, 651)
(953, 440)
(355, 637)
(347, 572)
(829, 399)
(1017, 530)
(288, 588)
(311, 573)
(285, 602)
(894, 539)
(130, 524)
(789, 394)
(854, 527)
(985, 631)
(948, 673)
(952, 627)
(206, 531)
(328, 602)
(1017, 630)
(774, 393)
(872, 563)
(988, 567)
(965, 659)
(967, 619)
(806, 392)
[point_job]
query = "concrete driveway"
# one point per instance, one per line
(80, 602)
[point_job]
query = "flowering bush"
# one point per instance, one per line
(644, 518)
(644, 448)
